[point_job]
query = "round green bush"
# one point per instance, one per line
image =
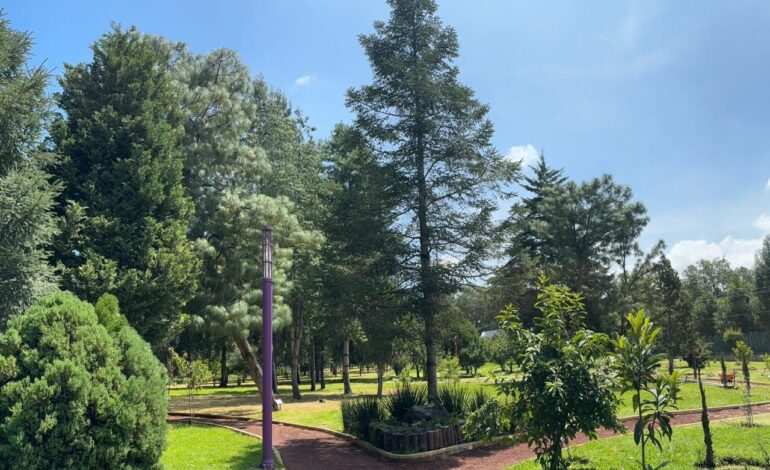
(79, 389)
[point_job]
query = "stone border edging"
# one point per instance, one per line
(383, 454)
(276, 455)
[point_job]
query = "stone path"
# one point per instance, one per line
(303, 449)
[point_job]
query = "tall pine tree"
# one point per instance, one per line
(27, 222)
(124, 204)
(435, 135)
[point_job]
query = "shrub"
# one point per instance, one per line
(357, 413)
(453, 398)
(492, 418)
(79, 389)
(404, 397)
(476, 400)
(449, 369)
(731, 336)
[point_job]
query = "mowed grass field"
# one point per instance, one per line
(199, 447)
(321, 408)
(735, 447)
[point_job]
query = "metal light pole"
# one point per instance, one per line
(267, 347)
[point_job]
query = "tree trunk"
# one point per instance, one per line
(704, 419)
(380, 374)
(223, 366)
(275, 376)
(322, 369)
(431, 373)
(639, 400)
(313, 372)
(296, 343)
(252, 363)
(334, 368)
(670, 345)
(346, 366)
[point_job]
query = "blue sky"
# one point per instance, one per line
(672, 98)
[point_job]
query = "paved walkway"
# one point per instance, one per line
(306, 450)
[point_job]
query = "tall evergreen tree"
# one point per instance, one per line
(362, 270)
(762, 282)
(226, 175)
(435, 135)
(27, 223)
(124, 204)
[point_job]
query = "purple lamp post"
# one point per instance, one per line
(267, 347)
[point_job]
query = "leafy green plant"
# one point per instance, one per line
(743, 354)
(449, 369)
(723, 377)
(404, 397)
(358, 413)
(194, 373)
(564, 388)
(94, 390)
(731, 336)
(453, 398)
(654, 394)
(489, 420)
(476, 400)
(766, 360)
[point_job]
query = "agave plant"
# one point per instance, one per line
(358, 412)
(404, 397)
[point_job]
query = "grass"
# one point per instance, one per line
(322, 407)
(209, 447)
(757, 370)
(735, 447)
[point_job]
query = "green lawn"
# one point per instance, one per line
(757, 370)
(209, 447)
(322, 407)
(731, 441)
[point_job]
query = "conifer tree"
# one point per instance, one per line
(435, 135)
(227, 176)
(126, 215)
(27, 222)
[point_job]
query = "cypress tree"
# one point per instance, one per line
(126, 215)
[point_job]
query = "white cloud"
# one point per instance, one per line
(767, 186)
(304, 80)
(738, 252)
(527, 154)
(763, 223)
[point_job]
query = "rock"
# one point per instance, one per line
(426, 414)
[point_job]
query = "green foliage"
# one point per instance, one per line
(454, 398)
(500, 348)
(476, 400)
(433, 133)
(731, 336)
(404, 397)
(77, 394)
(492, 419)
(474, 355)
(766, 361)
(358, 412)
(743, 354)
(194, 373)
(449, 369)
(565, 387)
(654, 393)
(126, 216)
(546, 237)
(27, 223)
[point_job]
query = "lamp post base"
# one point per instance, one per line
(267, 464)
